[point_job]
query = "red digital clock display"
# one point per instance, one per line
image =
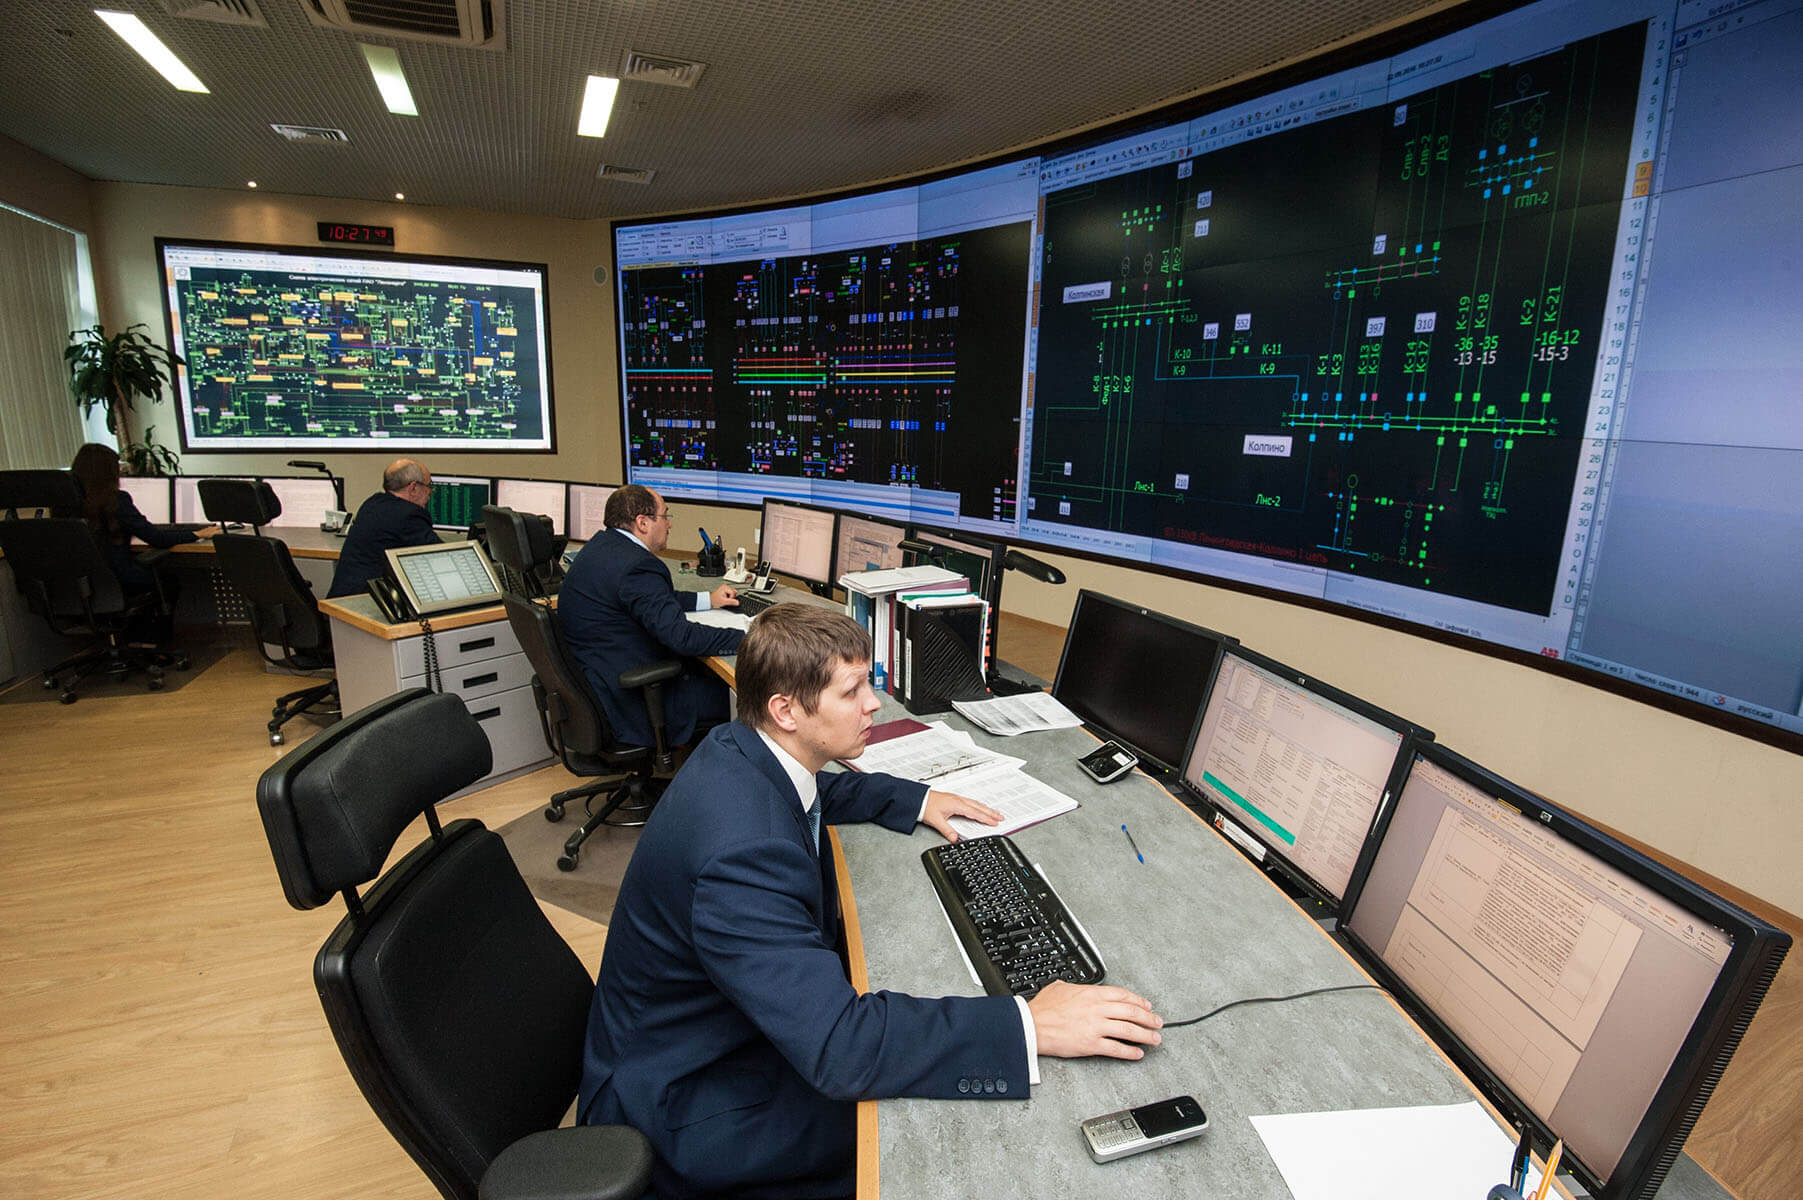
(362, 235)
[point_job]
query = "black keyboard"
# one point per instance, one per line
(753, 603)
(1015, 929)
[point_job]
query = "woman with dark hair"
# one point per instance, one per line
(111, 513)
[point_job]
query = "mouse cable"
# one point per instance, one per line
(1347, 987)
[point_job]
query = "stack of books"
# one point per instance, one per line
(927, 631)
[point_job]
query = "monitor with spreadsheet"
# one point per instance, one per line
(797, 540)
(588, 509)
(1295, 771)
(188, 510)
(1137, 675)
(1586, 988)
(456, 501)
(305, 499)
(867, 544)
(152, 495)
(542, 496)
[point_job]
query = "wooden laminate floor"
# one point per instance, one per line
(159, 1035)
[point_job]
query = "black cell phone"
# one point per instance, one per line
(1109, 762)
(1132, 1130)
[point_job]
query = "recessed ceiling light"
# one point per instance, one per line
(391, 81)
(597, 104)
(400, 195)
(150, 48)
(250, 183)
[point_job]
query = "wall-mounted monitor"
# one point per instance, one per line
(1294, 771)
(867, 544)
(1136, 675)
(1588, 990)
(588, 510)
(288, 348)
(457, 501)
(798, 540)
(546, 497)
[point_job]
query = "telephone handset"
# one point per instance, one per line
(760, 578)
(391, 600)
(737, 572)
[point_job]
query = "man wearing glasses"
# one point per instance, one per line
(618, 610)
(393, 517)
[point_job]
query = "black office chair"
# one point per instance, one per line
(283, 611)
(459, 1010)
(575, 725)
(60, 566)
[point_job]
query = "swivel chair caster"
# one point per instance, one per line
(566, 862)
(67, 698)
(554, 813)
(276, 738)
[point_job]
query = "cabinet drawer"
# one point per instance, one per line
(482, 678)
(514, 735)
(456, 647)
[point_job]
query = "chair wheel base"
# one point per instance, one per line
(67, 698)
(554, 813)
(566, 862)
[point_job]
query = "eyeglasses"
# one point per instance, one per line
(662, 516)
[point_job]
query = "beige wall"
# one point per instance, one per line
(1723, 803)
(128, 218)
(42, 186)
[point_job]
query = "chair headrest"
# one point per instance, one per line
(333, 808)
(239, 501)
(521, 542)
(55, 490)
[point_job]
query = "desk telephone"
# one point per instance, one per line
(391, 600)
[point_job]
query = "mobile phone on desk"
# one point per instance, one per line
(1133, 1130)
(760, 578)
(1108, 762)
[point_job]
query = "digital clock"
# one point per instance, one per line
(362, 235)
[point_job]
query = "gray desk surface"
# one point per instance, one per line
(1194, 927)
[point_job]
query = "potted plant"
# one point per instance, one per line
(114, 371)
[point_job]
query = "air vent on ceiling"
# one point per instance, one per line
(312, 133)
(626, 174)
(476, 24)
(223, 12)
(653, 68)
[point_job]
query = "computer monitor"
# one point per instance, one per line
(588, 508)
(153, 496)
(305, 499)
(1294, 770)
(798, 540)
(978, 559)
(545, 497)
(457, 501)
(867, 544)
(1136, 675)
(188, 510)
(1587, 989)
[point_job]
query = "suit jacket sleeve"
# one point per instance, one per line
(761, 944)
(847, 797)
(135, 525)
(646, 593)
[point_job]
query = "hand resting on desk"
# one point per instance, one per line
(1076, 1021)
(942, 805)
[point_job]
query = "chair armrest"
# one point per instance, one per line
(150, 558)
(657, 672)
(581, 1162)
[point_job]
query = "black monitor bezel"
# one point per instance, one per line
(832, 553)
(1273, 859)
(1759, 950)
(1088, 596)
(839, 528)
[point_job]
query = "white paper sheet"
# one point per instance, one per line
(1438, 1152)
(1025, 713)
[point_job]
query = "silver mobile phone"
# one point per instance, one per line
(1147, 1127)
(1109, 762)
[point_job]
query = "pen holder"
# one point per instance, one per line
(711, 562)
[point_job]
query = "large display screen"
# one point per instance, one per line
(298, 349)
(1491, 334)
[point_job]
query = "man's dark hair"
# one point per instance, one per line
(627, 504)
(792, 650)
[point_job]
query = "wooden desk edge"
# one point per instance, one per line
(867, 1150)
(394, 633)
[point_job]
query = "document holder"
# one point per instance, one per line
(946, 658)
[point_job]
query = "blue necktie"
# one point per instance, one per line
(814, 824)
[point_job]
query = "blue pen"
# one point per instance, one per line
(706, 541)
(1134, 844)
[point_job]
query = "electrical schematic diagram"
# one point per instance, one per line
(896, 364)
(1364, 343)
(281, 355)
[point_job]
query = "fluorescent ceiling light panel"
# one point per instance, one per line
(597, 104)
(385, 64)
(150, 48)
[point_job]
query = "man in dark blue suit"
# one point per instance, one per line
(392, 518)
(618, 610)
(723, 1026)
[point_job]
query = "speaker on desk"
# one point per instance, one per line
(942, 657)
